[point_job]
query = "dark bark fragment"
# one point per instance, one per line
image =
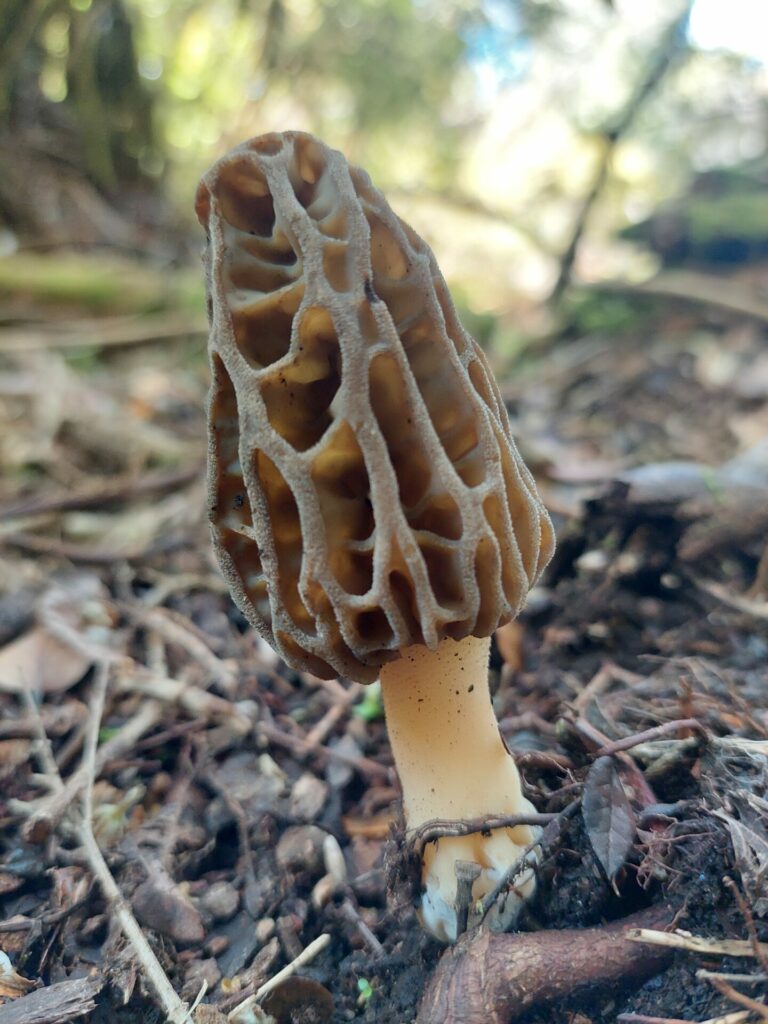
(56, 1004)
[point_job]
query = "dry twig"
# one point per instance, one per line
(696, 944)
(306, 956)
(175, 1010)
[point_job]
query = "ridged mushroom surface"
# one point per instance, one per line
(365, 493)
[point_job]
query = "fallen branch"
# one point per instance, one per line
(491, 979)
(696, 288)
(670, 50)
(120, 489)
(115, 332)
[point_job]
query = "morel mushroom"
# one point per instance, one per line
(368, 505)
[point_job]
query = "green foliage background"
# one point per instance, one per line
(486, 121)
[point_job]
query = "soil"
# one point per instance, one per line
(214, 819)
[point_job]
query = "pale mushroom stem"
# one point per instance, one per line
(453, 765)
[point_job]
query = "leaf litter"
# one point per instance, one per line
(248, 813)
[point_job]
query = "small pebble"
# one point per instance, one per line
(333, 858)
(323, 891)
(308, 797)
(594, 561)
(216, 945)
(299, 848)
(198, 972)
(265, 929)
(220, 901)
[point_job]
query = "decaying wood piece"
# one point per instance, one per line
(493, 979)
(56, 1004)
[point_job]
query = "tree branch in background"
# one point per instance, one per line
(670, 51)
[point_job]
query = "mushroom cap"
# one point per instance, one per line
(365, 493)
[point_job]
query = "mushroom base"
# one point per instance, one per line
(454, 766)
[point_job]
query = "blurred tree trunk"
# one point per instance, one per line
(67, 166)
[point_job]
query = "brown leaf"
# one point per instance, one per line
(9, 883)
(12, 985)
(14, 941)
(13, 752)
(38, 661)
(299, 999)
(608, 815)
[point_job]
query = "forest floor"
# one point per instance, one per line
(246, 810)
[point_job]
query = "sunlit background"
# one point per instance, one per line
(497, 127)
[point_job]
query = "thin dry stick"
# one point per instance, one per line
(116, 331)
(746, 913)
(365, 765)
(350, 911)
(738, 997)
(195, 701)
(306, 956)
(174, 631)
(600, 681)
(342, 702)
(729, 1018)
(42, 747)
(437, 828)
(45, 814)
(175, 1010)
(528, 859)
(695, 944)
(641, 1018)
(628, 742)
(745, 979)
(694, 288)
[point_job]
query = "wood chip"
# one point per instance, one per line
(56, 1004)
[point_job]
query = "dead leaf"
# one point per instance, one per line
(299, 999)
(38, 662)
(750, 851)
(608, 816)
(12, 985)
(14, 753)
(14, 941)
(9, 882)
